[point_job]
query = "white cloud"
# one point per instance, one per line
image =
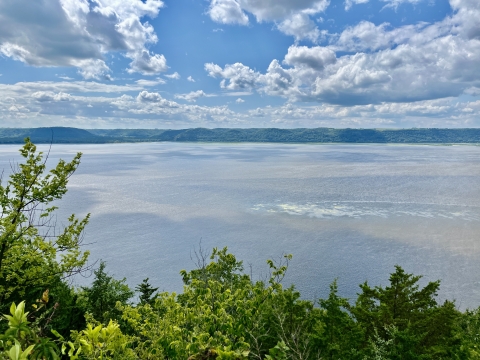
(227, 12)
(239, 76)
(311, 57)
(26, 105)
(79, 33)
(143, 82)
(237, 93)
(279, 81)
(191, 79)
(409, 63)
(51, 96)
(366, 36)
(396, 3)
(19, 88)
(239, 101)
(474, 91)
(17, 52)
(291, 17)
(92, 68)
(300, 26)
(366, 76)
(350, 3)
(146, 63)
(431, 113)
(147, 105)
(155, 98)
(193, 96)
(274, 10)
(175, 76)
(465, 21)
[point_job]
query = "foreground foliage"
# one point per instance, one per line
(33, 255)
(223, 314)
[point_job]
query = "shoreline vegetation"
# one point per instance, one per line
(68, 135)
(222, 313)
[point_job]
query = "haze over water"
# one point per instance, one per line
(344, 211)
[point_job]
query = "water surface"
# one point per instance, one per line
(344, 211)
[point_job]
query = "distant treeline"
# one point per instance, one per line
(318, 135)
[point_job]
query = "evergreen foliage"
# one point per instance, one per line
(100, 299)
(146, 292)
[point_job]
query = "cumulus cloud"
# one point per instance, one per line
(227, 12)
(274, 10)
(79, 33)
(367, 75)
(381, 64)
(239, 101)
(465, 21)
(193, 95)
(191, 79)
(51, 96)
(147, 105)
(239, 76)
(291, 17)
(155, 98)
(279, 81)
(92, 68)
(146, 63)
(175, 76)
(366, 36)
(300, 26)
(310, 57)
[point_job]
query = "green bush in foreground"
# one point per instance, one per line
(223, 314)
(34, 255)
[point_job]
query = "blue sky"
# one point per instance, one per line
(240, 63)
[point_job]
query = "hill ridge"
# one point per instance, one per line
(276, 135)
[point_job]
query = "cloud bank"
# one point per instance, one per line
(368, 74)
(80, 33)
(92, 104)
(376, 64)
(291, 17)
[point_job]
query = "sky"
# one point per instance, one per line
(172, 64)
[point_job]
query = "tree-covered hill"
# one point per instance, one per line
(47, 135)
(317, 135)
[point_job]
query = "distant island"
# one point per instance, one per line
(68, 135)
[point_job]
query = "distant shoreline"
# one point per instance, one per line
(417, 136)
